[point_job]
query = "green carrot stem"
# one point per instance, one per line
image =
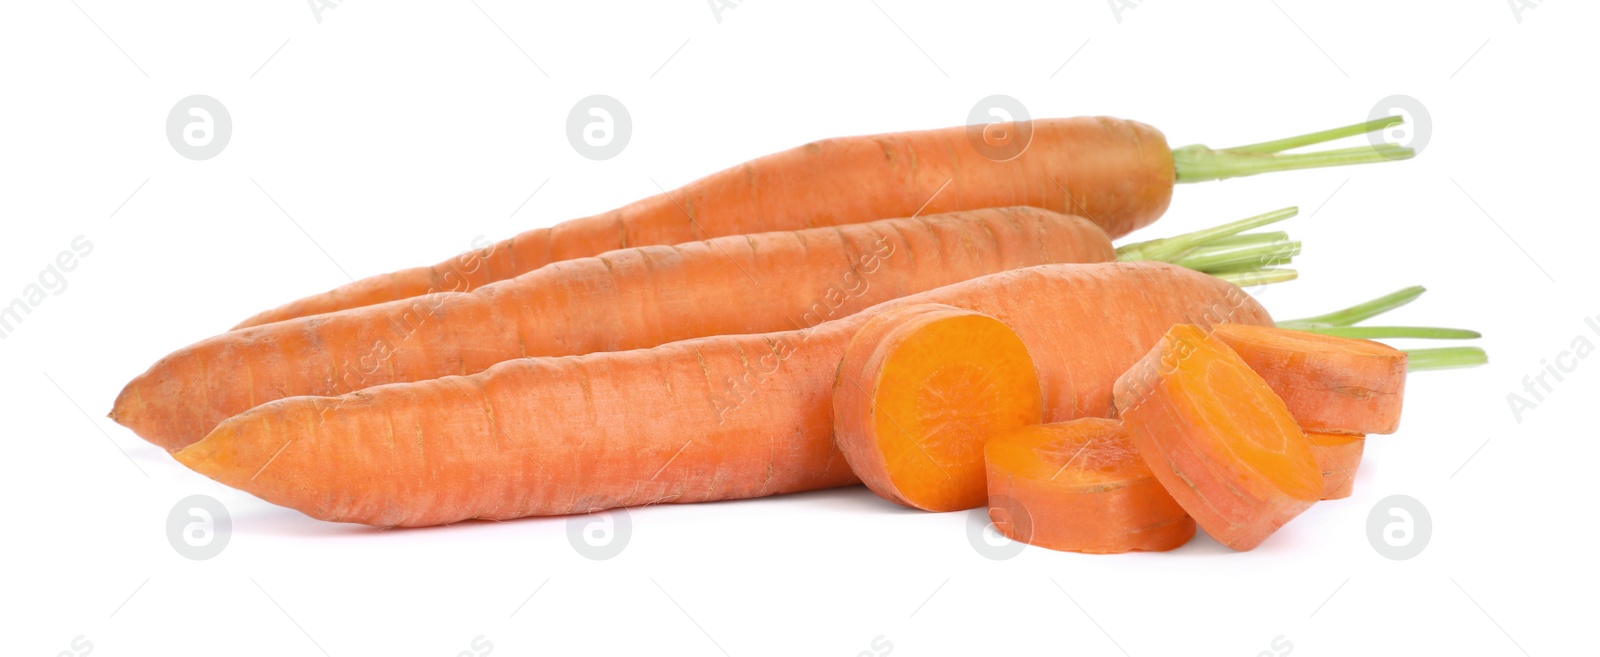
(1418, 360)
(1171, 248)
(1199, 164)
(1258, 277)
(1381, 332)
(1358, 312)
(1253, 257)
(1242, 239)
(1279, 145)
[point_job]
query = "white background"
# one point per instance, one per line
(391, 134)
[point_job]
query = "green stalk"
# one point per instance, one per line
(1258, 277)
(1279, 145)
(1382, 332)
(1418, 360)
(1242, 239)
(1255, 257)
(1358, 312)
(1200, 164)
(1169, 249)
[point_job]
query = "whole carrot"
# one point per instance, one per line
(1115, 172)
(625, 299)
(714, 418)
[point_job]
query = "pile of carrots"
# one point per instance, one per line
(896, 310)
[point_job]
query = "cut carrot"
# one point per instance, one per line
(1338, 455)
(1330, 384)
(1080, 486)
(919, 391)
(1221, 442)
(715, 418)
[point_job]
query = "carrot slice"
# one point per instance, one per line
(1331, 385)
(1338, 455)
(1218, 438)
(1080, 486)
(919, 391)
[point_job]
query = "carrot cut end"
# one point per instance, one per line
(918, 393)
(1218, 438)
(1080, 486)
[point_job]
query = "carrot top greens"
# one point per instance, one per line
(1199, 163)
(1341, 323)
(1248, 259)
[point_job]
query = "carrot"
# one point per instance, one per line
(1330, 384)
(626, 299)
(1080, 486)
(1338, 456)
(714, 418)
(1218, 438)
(919, 391)
(1117, 173)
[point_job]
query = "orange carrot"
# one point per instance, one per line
(1220, 441)
(1117, 173)
(919, 390)
(1338, 456)
(1330, 384)
(1080, 486)
(713, 418)
(625, 299)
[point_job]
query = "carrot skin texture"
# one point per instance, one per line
(1330, 384)
(628, 299)
(919, 390)
(1115, 172)
(1217, 437)
(1080, 486)
(1338, 456)
(722, 417)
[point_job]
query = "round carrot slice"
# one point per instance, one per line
(1080, 486)
(1338, 455)
(1218, 438)
(919, 391)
